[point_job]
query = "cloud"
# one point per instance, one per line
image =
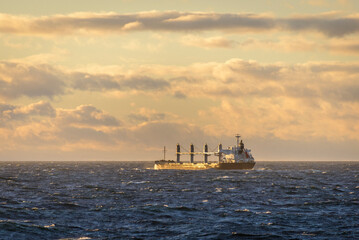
(345, 46)
(285, 101)
(85, 128)
(179, 95)
(145, 83)
(88, 132)
(170, 133)
(327, 25)
(333, 81)
(147, 115)
(43, 80)
(100, 82)
(94, 82)
(18, 80)
(211, 42)
(81, 116)
(112, 23)
(39, 125)
(132, 26)
(86, 115)
(10, 112)
(85, 136)
(250, 78)
(349, 47)
(286, 44)
(285, 118)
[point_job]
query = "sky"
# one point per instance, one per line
(119, 79)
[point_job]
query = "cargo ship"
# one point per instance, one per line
(232, 158)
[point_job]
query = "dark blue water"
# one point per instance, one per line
(90, 200)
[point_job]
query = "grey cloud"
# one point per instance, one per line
(59, 125)
(255, 69)
(9, 113)
(216, 21)
(165, 21)
(102, 82)
(348, 92)
(336, 27)
(329, 81)
(177, 21)
(179, 95)
(240, 77)
(6, 113)
(17, 80)
(138, 117)
(41, 108)
(352, 68)
(240, 70)
(97, 82)
(87, 115)
(6, 107)
(76, 134)
(227, 91)
(30, 81)
(351, 48)
(244, 78)
(299, 91)
(145, 83)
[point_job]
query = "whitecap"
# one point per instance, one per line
(267, 212)
(49, 226)
(218, 189)
(138, 182)
(80, 238)
(223, 177)
(242, 210)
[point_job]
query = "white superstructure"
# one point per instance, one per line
(235, 154)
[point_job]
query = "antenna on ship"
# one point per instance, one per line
(238, 136)
(164, 152)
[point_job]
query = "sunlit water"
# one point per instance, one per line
(121, 200)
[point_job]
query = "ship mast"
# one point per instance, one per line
(164, 152)
(238, 136)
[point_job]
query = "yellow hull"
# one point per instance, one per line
(203, 166)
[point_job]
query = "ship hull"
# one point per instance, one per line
(233, 166)
(204, 166)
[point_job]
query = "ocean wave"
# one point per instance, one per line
(126, 200)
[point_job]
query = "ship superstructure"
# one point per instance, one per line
(234, 157)
(235, 154)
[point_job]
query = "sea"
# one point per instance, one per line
(131, 200)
